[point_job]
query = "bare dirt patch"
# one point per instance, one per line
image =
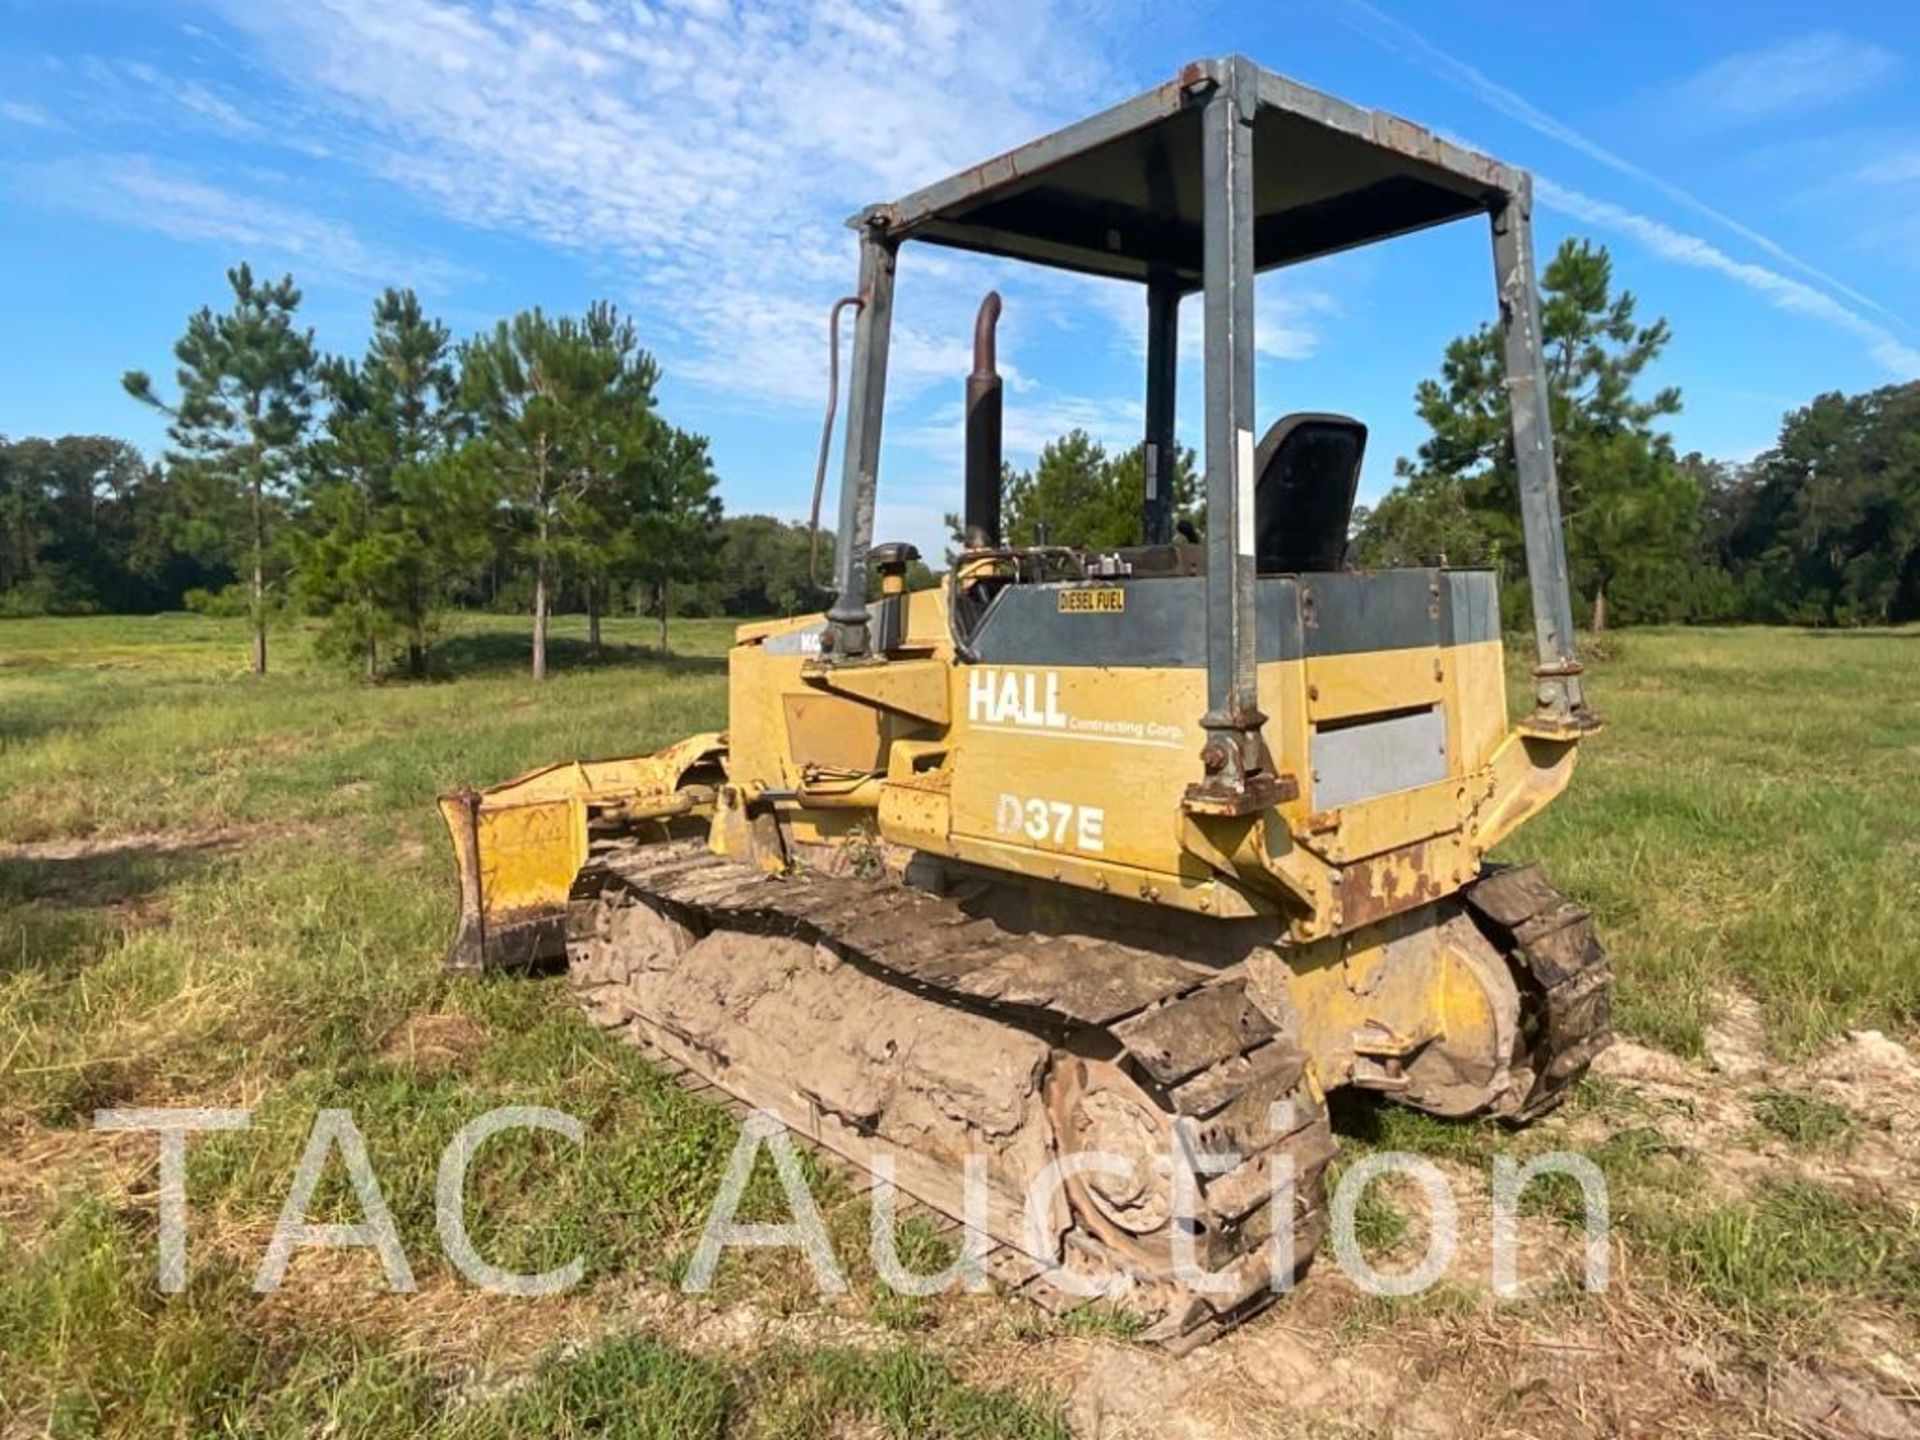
(432, 1042)
(122, 877)
(1330, 1362)
(1639, 1360)
(140, 843)
(1877, 1079)
(1711, 1111)
(201, 840)
(40, 1164)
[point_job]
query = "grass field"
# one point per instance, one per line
(222, 891)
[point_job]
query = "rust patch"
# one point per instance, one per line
(1388, 884)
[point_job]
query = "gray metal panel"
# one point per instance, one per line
(1233, 691)
(1281, 635)
(1473, 607)
(1379, 757)
(859, 473)
(1163, 627)
(1389, 132)
(1122, 193)
(1079, 138)
(793, 642)
(1164, 624)
(1350, 612)
(1558, 694)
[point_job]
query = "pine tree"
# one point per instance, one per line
(516, 383)
(1078, 494)
(244, 378)
(671, 535)
(1631, 511)
(621, 449)
(556, 406)
(391, 520)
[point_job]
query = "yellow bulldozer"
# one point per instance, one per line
(1139, 851)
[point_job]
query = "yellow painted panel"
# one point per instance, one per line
(915, 815)
(1082, 760)
(1372, 827)
(1283, 697)
(530, 853)
(1341, 687)
(1477, 678)
(758, 753)
(833, 732)
(519, 845)
(920, 687)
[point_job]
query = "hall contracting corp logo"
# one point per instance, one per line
(1031, 701)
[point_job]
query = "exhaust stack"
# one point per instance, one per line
(983, 432)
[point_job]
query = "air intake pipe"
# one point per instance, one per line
(983, 433)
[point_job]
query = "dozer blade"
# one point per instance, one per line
(519, 845)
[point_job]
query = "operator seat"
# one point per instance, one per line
(1308, 470)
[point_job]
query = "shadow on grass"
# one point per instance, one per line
(493, 653)
(1357, 1116)
(22, 723)
(59, 903)
(77, 875)
(1368, 1122)
(1863, 632)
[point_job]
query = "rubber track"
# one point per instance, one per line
(1196, 1041)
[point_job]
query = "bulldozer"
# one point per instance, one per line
(1140, 851)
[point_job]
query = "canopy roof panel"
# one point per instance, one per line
(1122, 193)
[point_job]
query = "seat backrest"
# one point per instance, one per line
(1309, 472)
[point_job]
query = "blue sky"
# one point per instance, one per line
(1754, 168)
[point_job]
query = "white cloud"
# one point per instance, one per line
(1781, 291)
(1029, 426)
(221, 114)
(143, 94)
(22, 113)
(1384, 29)
(1801, 74)
(1287, 316)
(704, 153)
(1897, 169)
(133, 190)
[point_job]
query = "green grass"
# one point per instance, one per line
(82, 1326)
(129, 724)
(1806, 1121)
(899, 1393)
(279, 968)
(1785, 1261)
(1375, 1313)
(1745, 821)
(1748, 819)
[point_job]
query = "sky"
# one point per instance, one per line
(1753, 167)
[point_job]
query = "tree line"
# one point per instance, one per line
(1823, 528)
(1077, 492)
(368, 491)
(529, 468)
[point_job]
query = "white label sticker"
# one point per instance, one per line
(1153, 471)
(1243, 486)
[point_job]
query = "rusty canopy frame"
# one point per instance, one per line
(1196, 186)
